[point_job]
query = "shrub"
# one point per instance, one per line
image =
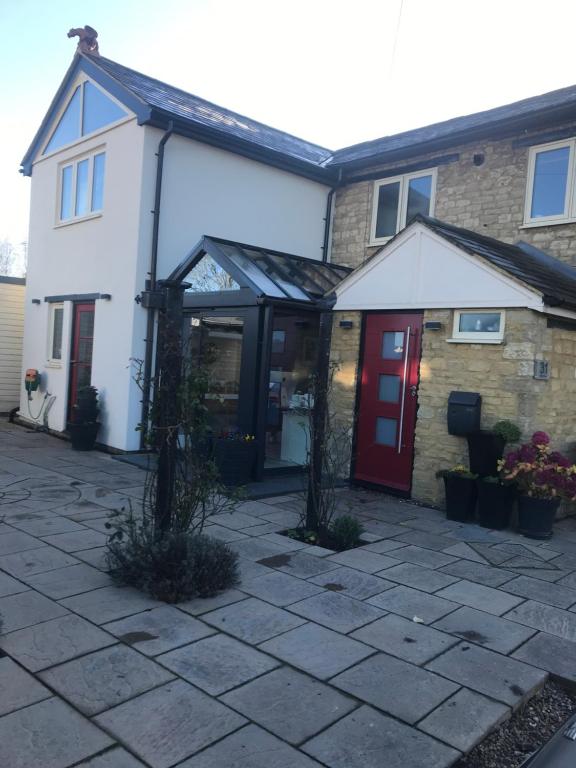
(176, 566)
(507, 430)
(346, 532)
(539, 471)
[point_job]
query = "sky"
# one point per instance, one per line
(333, 72)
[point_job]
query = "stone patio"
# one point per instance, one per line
(403, 653)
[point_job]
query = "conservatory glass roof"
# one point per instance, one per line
(222, 265)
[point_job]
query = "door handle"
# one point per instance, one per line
(413, 390)
(401, 425)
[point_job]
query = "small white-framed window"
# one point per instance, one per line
(55, 333)
(397, 200)
(81, 187)
(480, 326)
(551, 184)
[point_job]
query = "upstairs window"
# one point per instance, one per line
(82, 187)
(550, 192)
(88, 110)
(398, 200)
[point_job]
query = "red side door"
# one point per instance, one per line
(81, 359)
(388, 400)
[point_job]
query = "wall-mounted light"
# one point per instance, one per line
(433, 325)
(36, 301)
(106, 296)
(346, 324)
(478, 159)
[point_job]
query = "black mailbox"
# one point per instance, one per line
(464, 412)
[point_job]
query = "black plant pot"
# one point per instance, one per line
(461, 493)
(235, 460)
(536, 516)
(83, 436)
(495, 502)
(485, 449)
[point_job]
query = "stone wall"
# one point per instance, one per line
(501, 373)
(488, 199)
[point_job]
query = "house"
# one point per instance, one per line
(411, 239)
(11, 334)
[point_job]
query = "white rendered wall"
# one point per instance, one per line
(208, 191)
(97, 255)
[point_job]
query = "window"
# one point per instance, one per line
(88, 110)
(55, 338)
(550, 192)
(478, 326)
(82, 187)
(398, 200)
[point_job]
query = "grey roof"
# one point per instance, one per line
(185, 106)
(551, 277)
(519, 113)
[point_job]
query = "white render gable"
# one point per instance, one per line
(419, 269)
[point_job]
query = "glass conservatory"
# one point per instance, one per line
(258, 311)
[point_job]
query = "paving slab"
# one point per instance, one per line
(464, 719)
(27, 608)
(352, 583)
(473, 595)
(10, 586)
(53, 642)
(398, 688)
(250, 570)
(47, 525)
(72, 580)
(113, 758)
(551, 653)
(78, 540)
(185, 721)
(363, 560)
(499, 677)
(487, 575)
(159, 630)
(96, 557)
(412, 603)
(426, 557)
(17, 688)
(252, 620)
(105, 678)
(336, 611)
(484, 629)
(317, 650)
(109, 603)
(537, 551)
(544, 592)
(201, 605)
(217, 664)
(383, 529)
(546, 618)
(299, 564)
(426, 540)
(405, 639)
(280, 588)
(386, 545)
(33, 561)
(368, 739)
(465, 550)
(17, 541)
(569, 580)
(224, 534)
(250, 747)
(49, 734)
(236, 520)
(256, 548)
(418, 577)
(291, 705)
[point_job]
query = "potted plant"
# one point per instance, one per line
(235, 456)
(495, 501)
(84, 425)
(544, 478)
(486, 447)
(461, 493)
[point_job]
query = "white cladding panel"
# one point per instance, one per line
(420, 270)
(11, 336)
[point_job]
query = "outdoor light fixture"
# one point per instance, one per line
(478, 159)
(106, 296)
(433, 325)
(36, 301)
(346, 324)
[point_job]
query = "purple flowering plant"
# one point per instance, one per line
(538, 471)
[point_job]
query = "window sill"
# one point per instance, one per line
(53, 364)
(475, 341)
(69, 222)
(382, 241)
(549, 223)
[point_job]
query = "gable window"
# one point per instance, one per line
(398, 200)
(82, 187)
(55, 332)
(551, 188)
(88, 110)
(478, 326)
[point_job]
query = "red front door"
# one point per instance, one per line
(81, 359)
(388, 399)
